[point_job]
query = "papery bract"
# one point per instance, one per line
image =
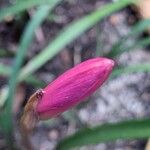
(73, 86)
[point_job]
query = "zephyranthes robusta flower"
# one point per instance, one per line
(67, 90)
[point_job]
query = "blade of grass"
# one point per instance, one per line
(33, 80)
(141, 43)
(3, 96)
(99, 45)
(107, 132)
(23, 5)
(5, 53)
(132, 46)
(26, 39)
(132, 69)
(139, 27)
(122, 45)
(4, 70)
(70, 33)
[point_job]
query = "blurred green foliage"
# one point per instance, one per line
(19, 73)
(107, 132)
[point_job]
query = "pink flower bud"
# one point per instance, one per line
(73, 86)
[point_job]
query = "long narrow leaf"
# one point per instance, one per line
(139, 27)
(24, 44)
(132, 69)
(122, 46)
(136, 44)
(5, 53)
(141, 43)
(27, 37)
(70, 33)
(6, 71)
(22, 5)
(107, 132)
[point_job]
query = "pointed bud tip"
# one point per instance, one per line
(109, 63)
(105, 62)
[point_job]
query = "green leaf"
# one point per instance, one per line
(132, 69)
(123, 44)
(70, 33)
(133, 46)
(26, 39)
(6, 53)
(33, 80)
(139, 27)
(141, 43)
(23, 5)
(5, 70)
(107, 132)
(3, 96)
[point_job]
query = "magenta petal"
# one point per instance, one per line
(73, 86)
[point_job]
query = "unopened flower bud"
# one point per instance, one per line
(73, 86)
(66, 91)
